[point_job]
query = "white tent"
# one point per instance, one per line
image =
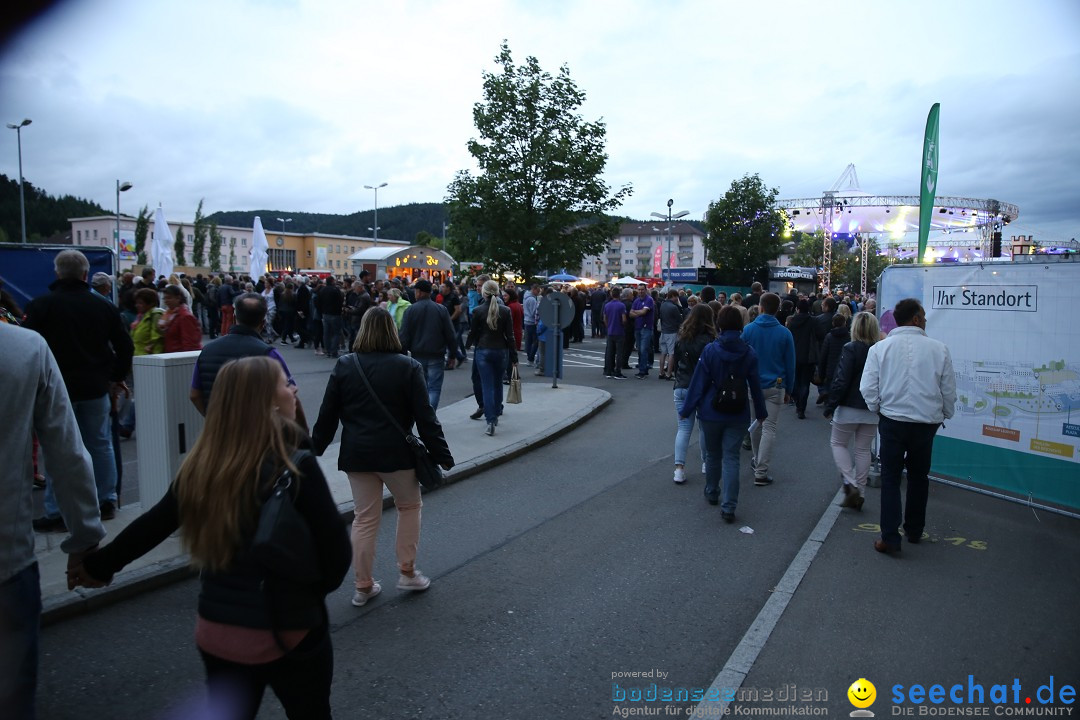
(161, 254)
(259, 253)
(630, 281)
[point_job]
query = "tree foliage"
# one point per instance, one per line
(745, 230)
(846, 266)
(178, 246)
(198, 246)
(214, 259)
(539, 200)
(142, 229)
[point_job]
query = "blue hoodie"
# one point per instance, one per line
(775, 348)
(720, 354)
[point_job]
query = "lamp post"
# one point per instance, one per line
(120, 187)
(283, 221)
(376, 189)
(670, 217)
(22, 202)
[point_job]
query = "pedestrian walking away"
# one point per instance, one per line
(725, 380)
(775, 350)
(908, 379)
(258, 624)
(373, 453)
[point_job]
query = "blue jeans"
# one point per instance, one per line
(531, 342)
(686, 430)
(20, 615)
(643, 337)
(489, 365)
(723, 441)
(910, 445)
(95, 427)
(331, 334)
(433, 372)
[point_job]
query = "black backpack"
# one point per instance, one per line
(732, 393)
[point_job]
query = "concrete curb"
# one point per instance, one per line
(81, 600)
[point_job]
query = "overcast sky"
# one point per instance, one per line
(296, 105)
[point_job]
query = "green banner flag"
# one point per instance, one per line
(928, 186)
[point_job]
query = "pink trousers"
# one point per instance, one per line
(367, 490)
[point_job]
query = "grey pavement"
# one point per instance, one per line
(581, 560)
(544, 414)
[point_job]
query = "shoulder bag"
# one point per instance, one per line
(283, 543)
(513, 395)
(428, 471)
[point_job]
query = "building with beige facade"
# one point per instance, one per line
(287, 251)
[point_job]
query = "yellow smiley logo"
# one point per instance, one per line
(862, 693)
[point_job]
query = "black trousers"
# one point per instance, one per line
(301, 680)
(907, 445)
(613, 352)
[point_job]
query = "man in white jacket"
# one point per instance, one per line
(909, 381)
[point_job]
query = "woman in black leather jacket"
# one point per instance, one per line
(696, 331)
(851, 420)
(492, 332)
(255, 627)
(373, 452)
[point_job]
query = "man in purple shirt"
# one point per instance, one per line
(643, 313)
(614, 317)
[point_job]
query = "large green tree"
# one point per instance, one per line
(744, 230)
(539, 200)
(846, 267)
(198, 246)
(142, 229)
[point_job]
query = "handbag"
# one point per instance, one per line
(513, 395)
(283, 543)
(428, 471)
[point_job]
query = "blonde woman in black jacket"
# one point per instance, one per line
(492, 333)
(373, 453)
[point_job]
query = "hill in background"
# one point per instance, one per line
(46, 215)
(396, 222)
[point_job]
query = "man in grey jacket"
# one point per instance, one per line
(426, 334)
(35, 401)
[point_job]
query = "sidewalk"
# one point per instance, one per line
(544, 415)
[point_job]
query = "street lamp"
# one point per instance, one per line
(283, 221)
(670, 217)
(376, 228)
(120, 187)
(22, 202)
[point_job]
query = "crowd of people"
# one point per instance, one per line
(735, 363)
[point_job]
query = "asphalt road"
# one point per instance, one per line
(582, 560)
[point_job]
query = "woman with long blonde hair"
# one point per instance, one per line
(492, 333)
(852, 421)
(255, 626)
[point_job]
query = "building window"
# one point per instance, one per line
(78, 237)
(339, 250)
(309, 253)
(232, 242)
(243, 242)
(190, 238)
(95, 233)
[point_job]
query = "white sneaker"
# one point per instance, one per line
(360, 598)
(680, 476)
(417, 582)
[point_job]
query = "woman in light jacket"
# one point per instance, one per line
(373, 453)
(724, 431)
(256, 626)
(492, 333)
(396, 306)
(850, 417)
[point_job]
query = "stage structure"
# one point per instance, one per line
(853, 212)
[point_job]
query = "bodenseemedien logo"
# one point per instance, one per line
(862, 694)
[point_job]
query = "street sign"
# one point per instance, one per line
(557, 310)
